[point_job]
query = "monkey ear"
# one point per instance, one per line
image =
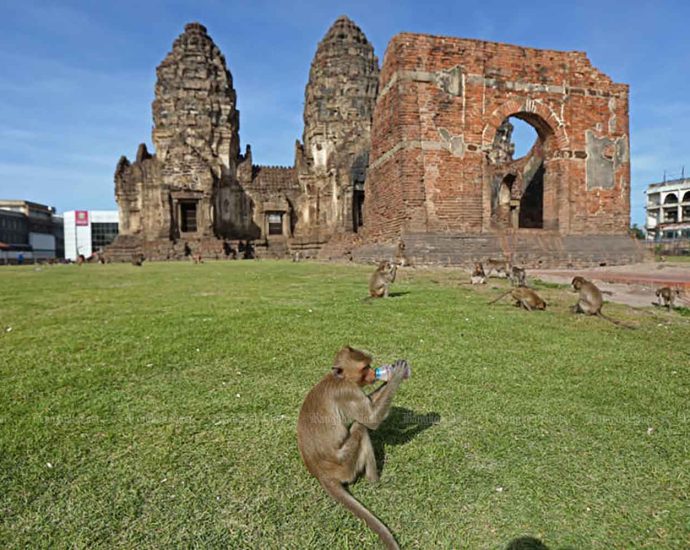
(337, 372)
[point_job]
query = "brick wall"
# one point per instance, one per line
(440, 103)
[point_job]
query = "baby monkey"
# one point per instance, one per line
(524, 297)
(381, 279)
(333, 429)
(668, 295)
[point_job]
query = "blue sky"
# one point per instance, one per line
(77, 78)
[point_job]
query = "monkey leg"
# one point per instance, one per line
(526, 306)
(366, 460)
(352, 455)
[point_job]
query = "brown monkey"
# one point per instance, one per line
(478, 276)
(137, 259)
(334, 454)
(518, 276)
(400, 257)
(498, 267)
(668, 295)
(197, 258)
(524, 297)
(590, 300)
(381, 279)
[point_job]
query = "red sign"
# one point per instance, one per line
(81, 217)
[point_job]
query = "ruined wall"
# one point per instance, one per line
(339, 103)
(441, 104)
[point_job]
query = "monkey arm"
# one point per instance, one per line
(376, 394)
(371, 412)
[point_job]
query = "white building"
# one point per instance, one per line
(89, 231)
(668, 210)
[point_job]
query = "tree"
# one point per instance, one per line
(637, 232)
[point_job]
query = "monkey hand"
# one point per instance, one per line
(400, 370)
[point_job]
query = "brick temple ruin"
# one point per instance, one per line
(420, 150)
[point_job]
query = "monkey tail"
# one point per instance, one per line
(501, 296)
(341, 495)
(615, 321)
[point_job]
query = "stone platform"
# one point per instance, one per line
(531, 249)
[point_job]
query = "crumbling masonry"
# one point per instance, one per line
(421, 151)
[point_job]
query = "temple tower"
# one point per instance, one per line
(339, 102)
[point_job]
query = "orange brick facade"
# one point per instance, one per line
(440, 106)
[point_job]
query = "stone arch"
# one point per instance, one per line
(539, 180)
(686, 196)
(539, 115)
(671, 198)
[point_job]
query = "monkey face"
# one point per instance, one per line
(577, 282)
(367, 375)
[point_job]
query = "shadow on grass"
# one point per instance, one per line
(397, 294)
(526, 543)
(401, 426)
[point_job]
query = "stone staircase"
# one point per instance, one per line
(275, 248)
(122, 248)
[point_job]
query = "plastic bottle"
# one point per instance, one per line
(384, 372)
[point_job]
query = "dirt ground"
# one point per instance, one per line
(633, 284)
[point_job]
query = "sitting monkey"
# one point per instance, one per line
(381, 279)
(478, 276)
(333, 429)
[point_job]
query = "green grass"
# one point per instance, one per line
(156, 407)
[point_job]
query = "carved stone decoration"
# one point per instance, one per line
(503, 147)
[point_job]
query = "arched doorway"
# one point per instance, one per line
(518, 155)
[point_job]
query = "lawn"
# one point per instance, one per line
(156, 407)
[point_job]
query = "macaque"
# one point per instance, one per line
(590, 300)
(500, 268)
(524, 297)
(381, 279)
(668, 295)
(137, 259)
(478, 276)
(518, 276)
(297, 256)
(400, 256)
(197, 258)
(333, 429)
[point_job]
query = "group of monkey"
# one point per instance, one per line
(336, 416)
(590, 299)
